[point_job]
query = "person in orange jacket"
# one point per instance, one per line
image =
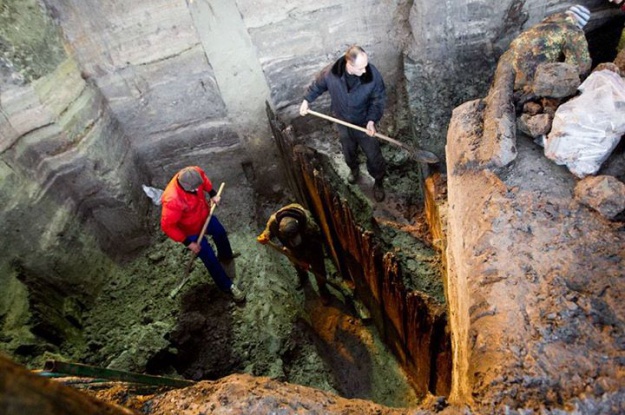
(184, 211)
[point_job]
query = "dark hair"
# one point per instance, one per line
(352, 53)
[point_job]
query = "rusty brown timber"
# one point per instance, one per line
(412, 324)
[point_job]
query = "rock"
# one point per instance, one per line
(534, 125)
(156, 257)
(550, 105)
(605, 194)
(608, 66)
(532, 108)
(556, 80)
(620, 60)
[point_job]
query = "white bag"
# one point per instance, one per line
(153, 193)
(587, 128)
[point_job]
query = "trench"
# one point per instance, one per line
(395, 271)
(383, 338)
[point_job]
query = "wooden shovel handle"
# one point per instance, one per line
(210, 215)
(420, 155)
(208, 219)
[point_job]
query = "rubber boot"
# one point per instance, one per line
(378, 190)
(302, 279)
(353, 176)
(237, 294)
(324, 294)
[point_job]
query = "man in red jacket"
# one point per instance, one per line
(184, 212)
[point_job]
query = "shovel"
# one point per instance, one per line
(418, 154)
(185, 278)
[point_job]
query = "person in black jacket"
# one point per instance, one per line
(358, 96)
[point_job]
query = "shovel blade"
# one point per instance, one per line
(425, 156)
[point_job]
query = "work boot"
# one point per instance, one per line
(237, 295)
(302, 279)
(324, 295)
(378, 190)
(354, 175)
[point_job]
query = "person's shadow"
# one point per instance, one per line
(334, 332)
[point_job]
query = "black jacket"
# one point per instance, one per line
(365, 102)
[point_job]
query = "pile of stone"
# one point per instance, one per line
(583, 147)
(554, 83)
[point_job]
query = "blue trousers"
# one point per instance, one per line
(207, 255)
(352, 139)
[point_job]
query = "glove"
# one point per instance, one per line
(303, 109)
(263, 238)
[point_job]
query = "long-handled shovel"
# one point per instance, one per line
(417, 153)
(186, 276)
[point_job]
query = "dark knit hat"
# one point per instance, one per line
(190, 179)
(289, 229)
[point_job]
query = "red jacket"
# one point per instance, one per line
(184, 213)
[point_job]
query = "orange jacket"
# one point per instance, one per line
(183, 213)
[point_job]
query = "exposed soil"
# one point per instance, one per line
(242, 394)
(547, 335)
(538, 281)
(280, 332)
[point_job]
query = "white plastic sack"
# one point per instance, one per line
(153, 193)
(587, 128)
